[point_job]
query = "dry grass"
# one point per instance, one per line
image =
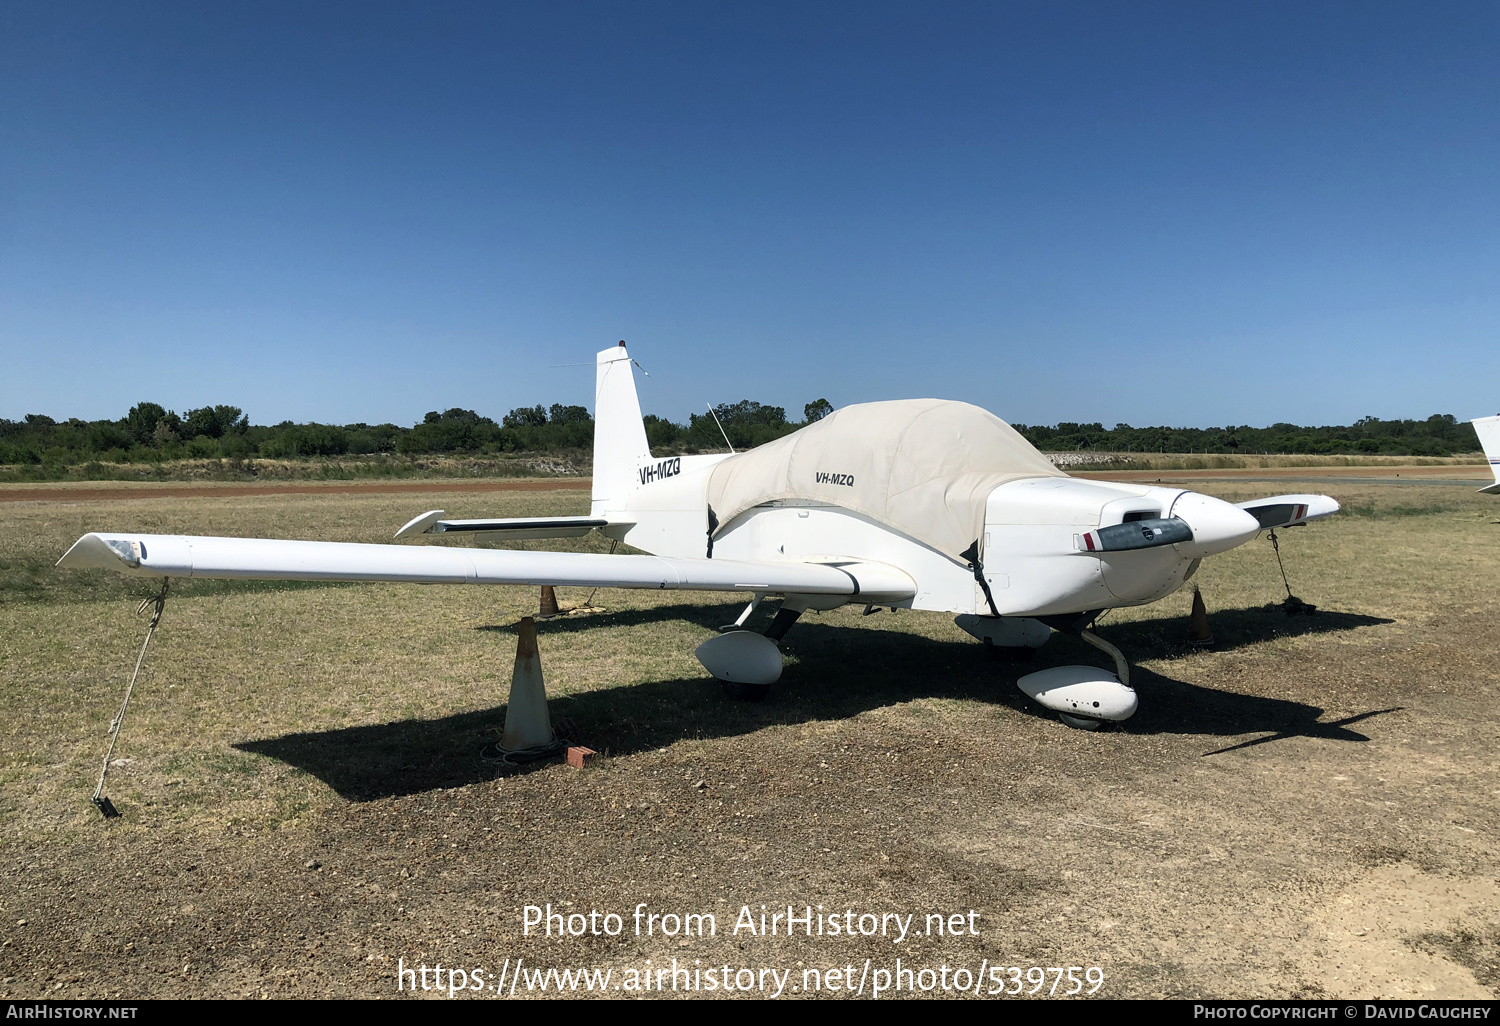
(895, 768)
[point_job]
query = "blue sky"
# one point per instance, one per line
(1180, 213)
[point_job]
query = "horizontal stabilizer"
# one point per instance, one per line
(515, 528)
(159, 555)
(1289, 510)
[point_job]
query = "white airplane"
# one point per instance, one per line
(1488, 429)
(920, 504)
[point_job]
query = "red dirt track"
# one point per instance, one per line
(175, 491)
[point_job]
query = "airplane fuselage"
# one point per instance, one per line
(1034, 556)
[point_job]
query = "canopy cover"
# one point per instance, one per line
(922, 466)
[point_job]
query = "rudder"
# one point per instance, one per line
(619, 432)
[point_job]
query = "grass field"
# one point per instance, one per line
(335, 468)
(1307, 809)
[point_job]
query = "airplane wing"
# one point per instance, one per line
(161, 555)
(1289, 510)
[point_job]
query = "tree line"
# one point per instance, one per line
(150, 433)
(1442, 434)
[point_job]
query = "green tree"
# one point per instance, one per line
(561, 414)
(214, 421)
(523, 416)
(143, 418)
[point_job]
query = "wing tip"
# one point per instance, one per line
(96, 552)
(1275, 511)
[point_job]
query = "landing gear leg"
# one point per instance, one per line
(784, 619)
(1122, 666)
(1122, 670)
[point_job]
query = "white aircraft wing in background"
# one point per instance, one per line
(165, 555)
(1488, 429)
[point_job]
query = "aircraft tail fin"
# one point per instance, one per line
(1488, 429)
(619, 432)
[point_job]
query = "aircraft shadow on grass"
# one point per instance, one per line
(836, 673)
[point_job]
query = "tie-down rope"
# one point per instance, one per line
(102, 803)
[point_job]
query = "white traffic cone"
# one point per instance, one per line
(527, 725)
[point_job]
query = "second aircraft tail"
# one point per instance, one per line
(1488, 429)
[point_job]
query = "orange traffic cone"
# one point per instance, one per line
(1198, 622)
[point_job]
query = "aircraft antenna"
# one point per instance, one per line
(715, 416)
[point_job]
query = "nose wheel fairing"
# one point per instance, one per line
(1081, 693)
(1085, 697)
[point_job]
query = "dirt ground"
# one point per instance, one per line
(1310, 808)
(113, 491)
